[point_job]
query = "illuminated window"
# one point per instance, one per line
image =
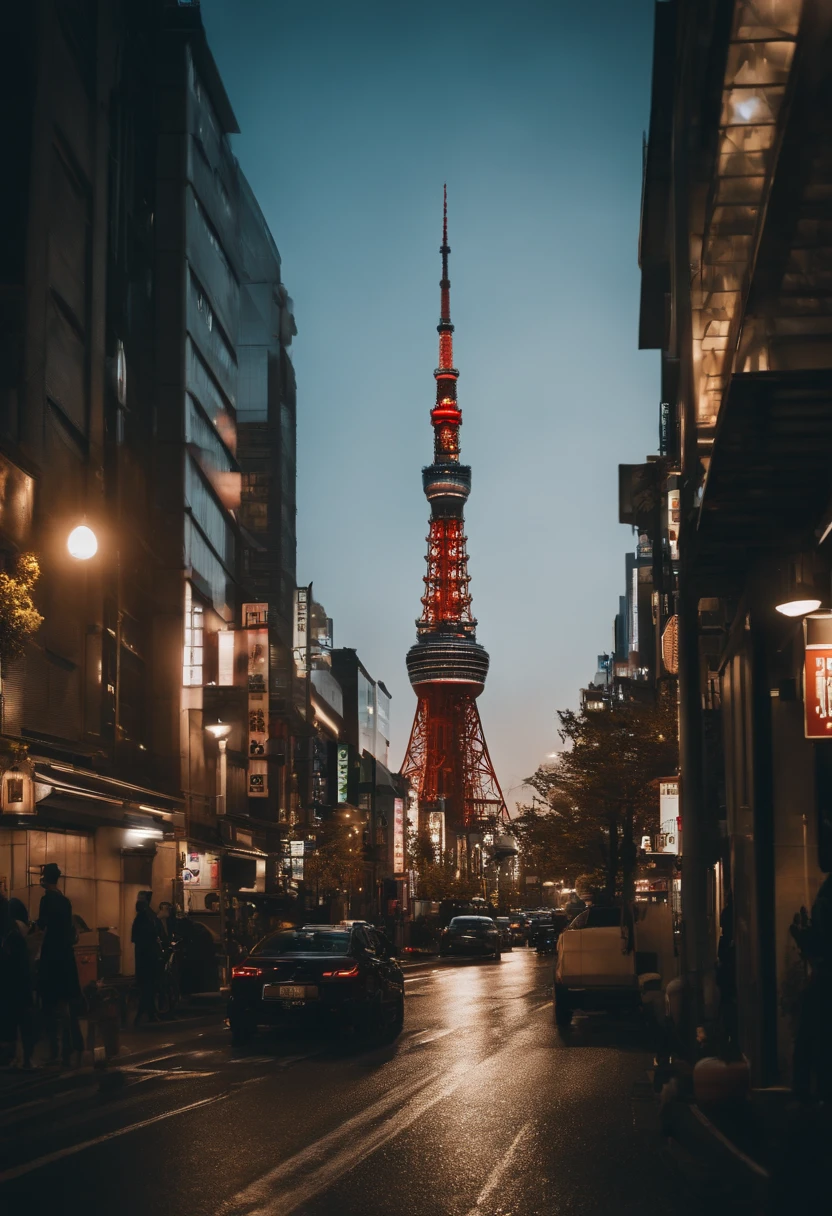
(194, 639)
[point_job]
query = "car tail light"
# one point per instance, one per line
(342, 973)
(244, 972)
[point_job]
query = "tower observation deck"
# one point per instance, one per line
(447, 758)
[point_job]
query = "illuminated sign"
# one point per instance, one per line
(398, 836)
(300, 639)
(257, 641)
(343, 772)
(668, 838)
(817, 696)
(255, 616)
(673, 516)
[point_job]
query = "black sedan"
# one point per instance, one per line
(345, 975)
(471, 935)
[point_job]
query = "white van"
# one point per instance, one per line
(608, 957)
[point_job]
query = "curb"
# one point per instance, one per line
(713, 1164)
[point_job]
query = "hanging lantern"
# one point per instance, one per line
(17, 793)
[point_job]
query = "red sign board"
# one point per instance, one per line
(817, 697)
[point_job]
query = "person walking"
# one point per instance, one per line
(16, 998)
(148, 953)
(60, 990)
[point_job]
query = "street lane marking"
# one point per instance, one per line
(28, 1167)
(440, 1034)
(495, 1177)
(257, 1196)
(301, 1178)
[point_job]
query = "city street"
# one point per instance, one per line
(479, 1107)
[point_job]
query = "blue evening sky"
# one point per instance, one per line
(353, 113)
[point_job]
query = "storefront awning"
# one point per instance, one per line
(68, 794)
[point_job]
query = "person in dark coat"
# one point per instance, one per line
(145, 937)
(60, 991)
(16, 998)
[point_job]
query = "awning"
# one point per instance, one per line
(769, 482)
(92, 799)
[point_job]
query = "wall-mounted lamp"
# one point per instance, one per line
(82, 543)
(800, 596)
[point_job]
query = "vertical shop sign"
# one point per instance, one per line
(398, 836)
(300, 640)
(255, 616)
(343, 772)
(817, 699)
(673, 519)
(668, 839)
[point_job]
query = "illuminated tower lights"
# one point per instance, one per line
(447, 758)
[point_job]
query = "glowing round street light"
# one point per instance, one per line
(220, 730)
(82, 543)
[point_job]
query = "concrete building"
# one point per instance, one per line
(735, 253)
(142, 308)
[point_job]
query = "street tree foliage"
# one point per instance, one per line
(437, 879)
(602, 794)
(335, 864)
(19, 618)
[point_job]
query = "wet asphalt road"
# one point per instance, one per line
(480, 1108)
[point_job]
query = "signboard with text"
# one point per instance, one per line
(817, 699)
(398, 836)
(258, 697)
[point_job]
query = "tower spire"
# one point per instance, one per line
(447, 756)
(446, 415)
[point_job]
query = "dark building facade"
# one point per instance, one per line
(735, 253)
(146, 392)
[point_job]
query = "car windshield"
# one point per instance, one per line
(464, 923)
(305, 941)
(503, 920)
(603, 918)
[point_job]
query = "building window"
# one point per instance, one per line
(194, 640)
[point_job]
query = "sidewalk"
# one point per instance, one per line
(17, 1086)
(769, 1154)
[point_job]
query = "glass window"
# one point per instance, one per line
(194, 640)
(580, 921)
(304, 941)
(603, 918)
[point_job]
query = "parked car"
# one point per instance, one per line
(607, 958)
(471, 935)
(503, 923)
(343, 975)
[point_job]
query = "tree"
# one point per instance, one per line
(602, 793)
(19, 618)
(335, 864)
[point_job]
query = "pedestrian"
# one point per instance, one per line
(16, 998)
(60, 991)
(148, 954)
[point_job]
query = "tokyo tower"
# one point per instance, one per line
(447, 760)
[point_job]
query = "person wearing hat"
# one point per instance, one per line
(58, 983)
(16, 1004)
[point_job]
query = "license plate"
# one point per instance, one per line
(289, 992)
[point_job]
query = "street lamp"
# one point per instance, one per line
(801, 596)
(82, 543)
(221, 731)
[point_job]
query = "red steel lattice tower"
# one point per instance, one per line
(447, 758)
